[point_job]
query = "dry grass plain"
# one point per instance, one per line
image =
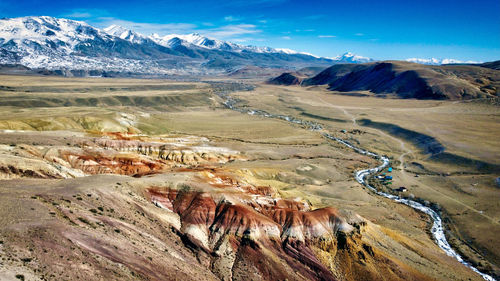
(293, 161)
(468, 130)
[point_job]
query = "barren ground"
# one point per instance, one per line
(47, 229)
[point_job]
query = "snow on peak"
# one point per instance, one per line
(57, 43)
(125, 34)
(287, 51)
(54, 34)
(115, 29)
(292, 52)
(351, 58)
(67, 34)
(42, 26)
(194, 39)
(435, 61)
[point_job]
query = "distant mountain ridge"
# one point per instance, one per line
(60, 44)
(405, 80)
(71, 47)
(349, 57)
(492, 65)
(435, 61)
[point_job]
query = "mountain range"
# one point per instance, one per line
(70, 47)
(74, 48)
(435, 61)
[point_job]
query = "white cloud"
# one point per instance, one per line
(359, 34)
(101, 19)
(242, 40)
(286, 37)
(231, 30)
(86, 13)
(148, 28)
(232, 18)
(79, 15)
(326, 36)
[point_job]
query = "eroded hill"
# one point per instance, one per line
(157, 180)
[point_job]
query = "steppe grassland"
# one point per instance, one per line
(297, 162)
(467, 129)
(274, 143)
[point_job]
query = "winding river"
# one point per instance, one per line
(437, 229)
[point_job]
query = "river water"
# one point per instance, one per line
(437, 229)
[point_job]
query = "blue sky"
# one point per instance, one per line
(465, 30)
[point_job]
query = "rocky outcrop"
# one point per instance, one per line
(282, 219)
(111, 154)
(265, 236)
(286, 227)
(180, 150)
(188, 215)
(12, 167)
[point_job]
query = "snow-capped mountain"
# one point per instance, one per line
(293, 52)
(66, 33)
(37, 39)
(191, 40)
(434, 61)
(51, 43)
(125, 34)
(349, 57)
(62, 44)
(195, 39)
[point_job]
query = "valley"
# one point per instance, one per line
(448, 178)
(157, 179)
